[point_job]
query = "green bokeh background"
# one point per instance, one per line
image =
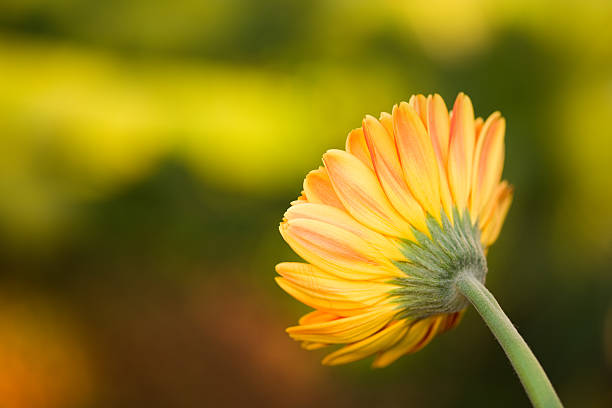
(149, 149)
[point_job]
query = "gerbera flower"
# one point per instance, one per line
(388, 225)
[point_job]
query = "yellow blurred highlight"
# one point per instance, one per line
(452, 30)
(79, 124)
(449, 29)
(584, 147)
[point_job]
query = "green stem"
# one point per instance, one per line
(534, 379)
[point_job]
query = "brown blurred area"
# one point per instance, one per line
(149, 149)
(217, 343)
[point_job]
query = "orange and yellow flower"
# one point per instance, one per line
(386, 224)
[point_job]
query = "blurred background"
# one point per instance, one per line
(149, 149)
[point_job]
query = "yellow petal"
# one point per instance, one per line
(300, 200)
(336, 250)
(361, 194)
(337, 305)
(438, 127)
(368, 346)
(419, 104)
(317, 316)
(478, 123)
(318, 189)
(488, 163)
(312, 278)
(387, 121)
(487, 214)
(309, 345)
(417, 158)
(461, 152)
(346, 329)
(389, 171)
(451, 321)
(493, 227)
(389, 247)
(356, 145)
(418, 336)
(327, 292)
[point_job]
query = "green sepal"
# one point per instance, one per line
(433, 262)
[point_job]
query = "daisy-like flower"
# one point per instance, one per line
(389, 225)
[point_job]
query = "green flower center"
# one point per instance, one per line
(433, 265)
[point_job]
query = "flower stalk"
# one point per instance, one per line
(537, 385)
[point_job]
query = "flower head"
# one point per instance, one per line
(387, 224)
